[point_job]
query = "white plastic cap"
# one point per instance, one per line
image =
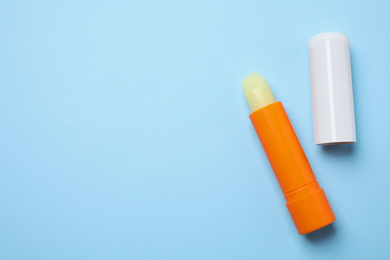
(331, 88)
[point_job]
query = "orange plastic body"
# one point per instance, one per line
(306, 201)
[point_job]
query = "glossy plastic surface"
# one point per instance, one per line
(331, 87)
(306, 201)
(309, 208)
(282, 147)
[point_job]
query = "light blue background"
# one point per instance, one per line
(125, 134)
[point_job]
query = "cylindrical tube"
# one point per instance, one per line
(306, 201)
(282, 147)
(331, 88)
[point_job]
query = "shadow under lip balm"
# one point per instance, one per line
(306, 201)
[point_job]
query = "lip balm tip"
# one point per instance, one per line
(257, 92)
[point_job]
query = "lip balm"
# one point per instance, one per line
(305, 200)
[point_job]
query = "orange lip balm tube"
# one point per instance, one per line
(305, 200)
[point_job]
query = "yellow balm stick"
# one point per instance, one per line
(257, 92)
